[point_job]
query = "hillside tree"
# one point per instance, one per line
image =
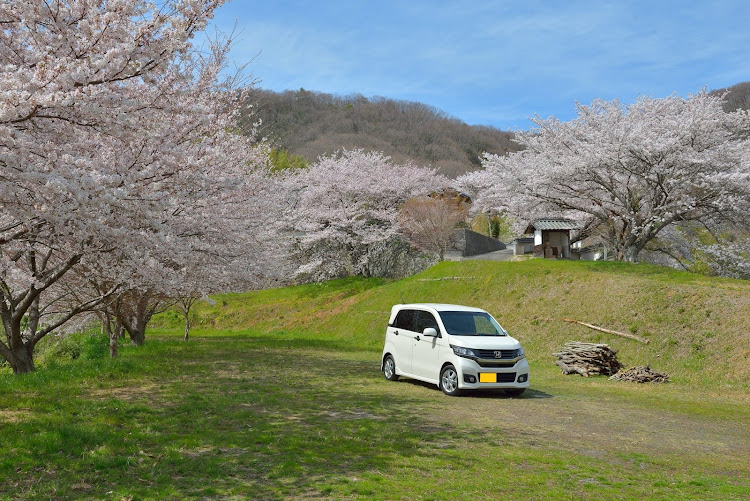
(429, 223)
(117, 147)
(345, 204)
(628, 172)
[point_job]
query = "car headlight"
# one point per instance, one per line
(520, 352)
(464, 352)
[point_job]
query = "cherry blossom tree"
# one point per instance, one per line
(429, 223)
(731, 259)
(254, 255)
(117, 154)
(224, 236)
(627, 171)
(347, 203)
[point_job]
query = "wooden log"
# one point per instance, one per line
(587, 359)
(568, 369)
(640, 374)
(608, 331)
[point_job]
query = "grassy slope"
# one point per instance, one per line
(278, 396)
(698, 327)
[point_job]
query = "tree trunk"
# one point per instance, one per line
(19, 351)
(630, 253)
(112, 331)
(113, 346)
(137, 334)
(135, 313)
(187, 327)
(115, 333)
(33, 316)
(186, 304)
(22, 360)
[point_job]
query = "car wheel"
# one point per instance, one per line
(449, 380)
(389, 369)
(515, 392)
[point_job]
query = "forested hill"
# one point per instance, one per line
(311, 124)
(737, 96)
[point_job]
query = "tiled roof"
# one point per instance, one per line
(553, 224)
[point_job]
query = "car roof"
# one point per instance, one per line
(439, 307)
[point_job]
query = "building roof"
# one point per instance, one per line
(551, 224)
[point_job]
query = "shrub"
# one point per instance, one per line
(88, 345)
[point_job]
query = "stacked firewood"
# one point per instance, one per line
(587, 359)
(640, 374)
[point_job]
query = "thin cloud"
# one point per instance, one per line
(477, 62)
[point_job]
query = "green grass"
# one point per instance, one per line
(232, 417)
(697, 326)
(278, 395)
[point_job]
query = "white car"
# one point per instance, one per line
(455, 347)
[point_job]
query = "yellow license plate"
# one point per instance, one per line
(487, 377)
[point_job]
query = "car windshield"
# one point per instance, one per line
(471, 323)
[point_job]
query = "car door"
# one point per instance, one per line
(403, 333)
(425, 360)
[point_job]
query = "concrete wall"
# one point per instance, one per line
(594, 254)
(471, 243)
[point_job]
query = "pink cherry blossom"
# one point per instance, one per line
(121, 166)
(345, 204)
(626, 172)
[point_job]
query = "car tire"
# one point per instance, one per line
(449, 380)
(389, 368)
(515, 392)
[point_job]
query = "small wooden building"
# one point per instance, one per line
(551, 237)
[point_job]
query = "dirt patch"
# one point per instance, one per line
(350, 415)
(601, 427)
(211, 450)
(334, 308)
(139, 392)
(7, 416)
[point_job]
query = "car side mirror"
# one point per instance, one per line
(430, 332)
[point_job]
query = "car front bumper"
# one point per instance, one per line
(472, 376)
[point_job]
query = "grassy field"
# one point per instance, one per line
(698, 327)
(278, 395)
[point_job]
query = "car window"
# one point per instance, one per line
(483, 326)
(426, 319)
(405, 320)
(470, 323)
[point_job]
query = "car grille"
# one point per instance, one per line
(504, 354)
(506, 377)
(483, 363)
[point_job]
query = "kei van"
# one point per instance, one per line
(455, 347)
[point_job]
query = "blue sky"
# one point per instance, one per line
(493, 62)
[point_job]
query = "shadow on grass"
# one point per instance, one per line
(500, 394)
(278, 340)
(526, 395)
